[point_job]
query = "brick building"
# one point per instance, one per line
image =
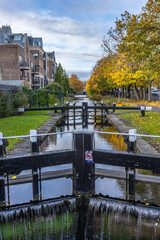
(23, 58)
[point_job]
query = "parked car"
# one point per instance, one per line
(155, 92)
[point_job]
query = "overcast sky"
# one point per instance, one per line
(71, 28)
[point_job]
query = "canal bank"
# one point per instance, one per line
(141, 145)
(23, 147)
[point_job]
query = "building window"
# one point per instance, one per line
(27, 76)
(27, 63)
(36, 80)
(20, 60)
(32, 66)
(36, 68)
(36, 55)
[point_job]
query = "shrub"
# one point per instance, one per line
(5, 106)
(19, 100)
(44, 95)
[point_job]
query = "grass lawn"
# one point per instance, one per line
(150, 124)
(36, 112)
(20, 125)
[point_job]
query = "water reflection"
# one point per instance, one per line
(148, 193)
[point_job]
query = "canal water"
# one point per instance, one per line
(78, 218)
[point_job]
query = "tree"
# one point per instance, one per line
(76, 84)
(137, 38)
(62, 79)
(101, 80)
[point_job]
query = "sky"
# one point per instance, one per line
(74, 29)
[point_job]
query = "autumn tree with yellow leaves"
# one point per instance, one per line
(133, 54)
(76, 84)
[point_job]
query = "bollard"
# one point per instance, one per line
(83, 165)
(34, 149)
(142, 111)
(114, 106)
(55, 108)
(3, 144)
(132, 141)
(34, 141)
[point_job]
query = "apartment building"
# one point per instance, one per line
(22, 58)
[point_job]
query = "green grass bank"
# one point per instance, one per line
(20, 125)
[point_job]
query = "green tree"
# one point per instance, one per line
(62, 79)
(5, 106)
(19, 100)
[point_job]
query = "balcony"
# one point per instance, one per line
(24, 65)
(35, 82)
(35, 70)
(23, 77)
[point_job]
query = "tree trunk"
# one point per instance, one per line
(132, 93)
(136, 92)
(144, 93)
(141, 92)
(125, 93)
(115, 93)
(122, 92)
(149, 91)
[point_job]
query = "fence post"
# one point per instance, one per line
(2, 185)
(101, 112)
(106, 112)
(2, 191)
(83, 166)
(142, 111)
(131, 148)
(55, 110)
(85, 114)
(74, 114)
(95, 112)
(1, 144)
(67, 103)
(35, 149)
(131, 184)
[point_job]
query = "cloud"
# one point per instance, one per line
(68, 27)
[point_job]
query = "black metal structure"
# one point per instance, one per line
(83, 157)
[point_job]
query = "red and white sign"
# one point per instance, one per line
(89, 156)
